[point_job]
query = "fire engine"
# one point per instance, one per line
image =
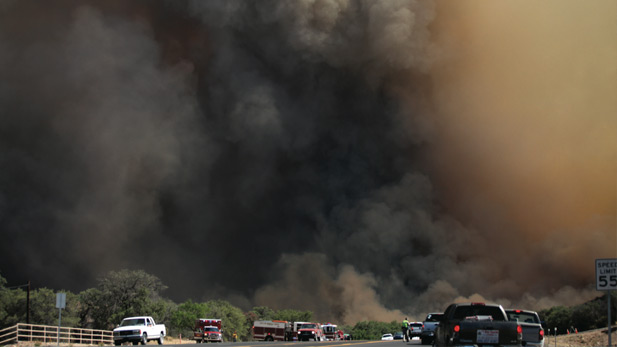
(208, 330)
(311, 331)
(272, 330)
(295, 328)
(332, 333)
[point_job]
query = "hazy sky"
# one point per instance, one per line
(360, 159)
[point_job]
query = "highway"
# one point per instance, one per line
(352, 343)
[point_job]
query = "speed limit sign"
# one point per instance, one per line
(606, 274)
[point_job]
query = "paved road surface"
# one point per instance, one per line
(353, 343)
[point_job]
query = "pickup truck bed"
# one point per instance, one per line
(533, 332)
(477, 324)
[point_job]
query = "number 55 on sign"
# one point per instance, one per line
(606, 274)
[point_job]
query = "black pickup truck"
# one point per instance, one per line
(477, 324)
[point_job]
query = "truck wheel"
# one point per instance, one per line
(161, 338)
(117, 343)
(269, 338)
(144, 339)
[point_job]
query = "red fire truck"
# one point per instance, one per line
(208, 330)
(295, 328)
(272, 330)
(332, 332)
(311, 331)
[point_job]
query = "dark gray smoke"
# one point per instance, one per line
(264, 152)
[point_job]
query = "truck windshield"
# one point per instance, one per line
(308, 326)
(434, 317)
(211, 329)
(135, 321)
(523, 317)
(478, 310)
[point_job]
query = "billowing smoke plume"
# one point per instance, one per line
(360, 159)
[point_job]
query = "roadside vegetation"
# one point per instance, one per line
(127, 293)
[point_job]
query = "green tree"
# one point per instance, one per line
(263, 313)
(43, 308)
(123, 294)
(14, 305)
(372, 330)
(294, 315)
(232, 317)
(559, 317)
(12, 310)
(183, 318)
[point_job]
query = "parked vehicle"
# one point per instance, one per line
(533, 332)
(477, 324)
(311, 331)
(387, 337)
(139, 329)
(208, 330)
(399, 335)
(272, 330)
(428, 327)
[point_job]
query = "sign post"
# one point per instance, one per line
(60, 304)
(606, 279)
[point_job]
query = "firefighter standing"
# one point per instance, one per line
(235, 337)
(405, 326)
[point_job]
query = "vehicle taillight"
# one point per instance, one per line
(519, 329)
(477, 304)
(541, 334)
(517, 311)
(457, 328)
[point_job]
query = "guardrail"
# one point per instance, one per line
(47, 334)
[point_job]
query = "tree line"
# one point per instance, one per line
(587, 316)
(126, 293)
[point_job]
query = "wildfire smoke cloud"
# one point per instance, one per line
(378, 158)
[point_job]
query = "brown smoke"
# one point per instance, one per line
(339, 294)
(526, 150)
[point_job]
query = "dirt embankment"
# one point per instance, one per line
(591, 338)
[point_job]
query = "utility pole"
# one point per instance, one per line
(28, 305)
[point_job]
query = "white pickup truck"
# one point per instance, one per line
(139, 329)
